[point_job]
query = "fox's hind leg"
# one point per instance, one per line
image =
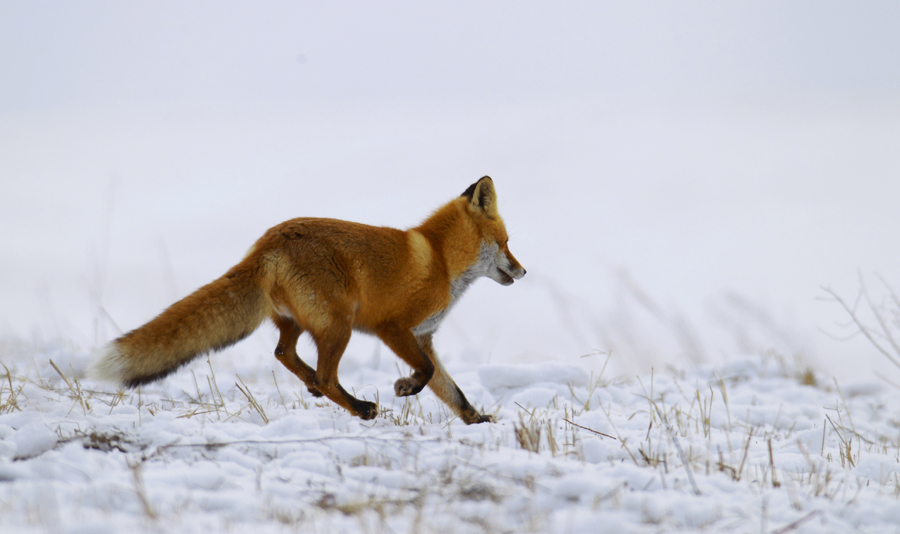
(286, 352)
(331, 342)
(447, 390)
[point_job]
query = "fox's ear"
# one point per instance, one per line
(483, 197)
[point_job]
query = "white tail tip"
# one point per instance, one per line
(108, 366)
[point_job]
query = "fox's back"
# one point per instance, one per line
(379, 272)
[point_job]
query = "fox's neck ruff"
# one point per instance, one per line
(454, 236)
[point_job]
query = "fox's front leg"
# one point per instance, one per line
(404, 344)
(447, 390)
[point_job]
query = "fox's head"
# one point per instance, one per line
(495, 260)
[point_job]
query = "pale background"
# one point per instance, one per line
(679, 179)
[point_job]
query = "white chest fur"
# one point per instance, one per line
(485, 262)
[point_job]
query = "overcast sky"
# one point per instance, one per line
(56, 54)
(702, 149)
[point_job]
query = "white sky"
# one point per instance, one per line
(60, 54)
(704, 148)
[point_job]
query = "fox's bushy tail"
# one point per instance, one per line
(215, 316)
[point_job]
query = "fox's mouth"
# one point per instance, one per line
(505, 278)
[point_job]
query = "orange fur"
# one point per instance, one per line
(328, 277)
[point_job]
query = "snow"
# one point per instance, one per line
(191, 452)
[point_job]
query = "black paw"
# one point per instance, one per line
(315, 392)
(366, 410)
(474, 418)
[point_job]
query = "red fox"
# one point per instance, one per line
(329, 277)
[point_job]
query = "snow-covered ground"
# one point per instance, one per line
(232, 444)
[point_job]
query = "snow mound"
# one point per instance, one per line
(496, 376)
